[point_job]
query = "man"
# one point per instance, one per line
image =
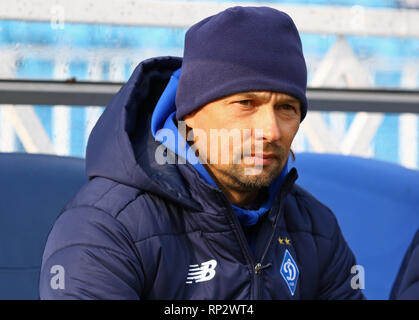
(173, 212)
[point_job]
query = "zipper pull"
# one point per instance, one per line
(259, 267)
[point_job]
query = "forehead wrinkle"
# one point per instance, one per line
(267, 95)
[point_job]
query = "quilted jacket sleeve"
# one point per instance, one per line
(406, 285)
(340, 276)
(90, 255)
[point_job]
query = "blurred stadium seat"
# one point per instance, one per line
(34, 188)
(376, 204)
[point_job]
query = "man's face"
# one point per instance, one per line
(244, 116)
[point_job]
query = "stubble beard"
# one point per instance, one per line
(238, 177)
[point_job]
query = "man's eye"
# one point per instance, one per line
(245, 102)
(288, 107)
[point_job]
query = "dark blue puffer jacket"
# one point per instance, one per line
(406, 285)
(140, 230)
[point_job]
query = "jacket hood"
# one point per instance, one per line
(121, 146)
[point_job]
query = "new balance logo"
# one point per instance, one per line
(205, 272)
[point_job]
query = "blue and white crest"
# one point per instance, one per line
(289, 271)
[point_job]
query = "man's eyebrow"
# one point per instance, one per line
(291, 100)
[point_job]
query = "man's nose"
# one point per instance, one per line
(270, 125)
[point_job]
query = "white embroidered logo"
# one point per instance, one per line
(205, 272)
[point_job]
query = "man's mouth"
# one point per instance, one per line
(264, 159)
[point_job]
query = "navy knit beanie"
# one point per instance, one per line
(241, 49)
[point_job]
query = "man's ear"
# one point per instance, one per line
(190, 119)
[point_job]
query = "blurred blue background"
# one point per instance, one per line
(103, 52)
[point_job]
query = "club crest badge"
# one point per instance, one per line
(289, 271)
